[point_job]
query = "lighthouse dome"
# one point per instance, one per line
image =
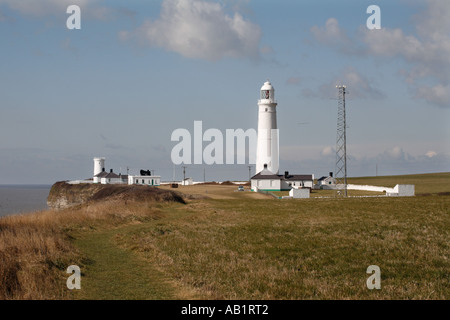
(267, 86)
(267, 91)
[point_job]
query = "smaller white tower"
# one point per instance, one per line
(99, 164)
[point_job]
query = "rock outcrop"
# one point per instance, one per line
(63, 195)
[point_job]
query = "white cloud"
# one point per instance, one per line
(327, 151)
(330, 34)
(428, 55)
(427, 52)
(439, 94)
(359, 86)
(199, 29)
(333, 35)
(395, 152)
(390, 160)
(41, 8)
(431, 154)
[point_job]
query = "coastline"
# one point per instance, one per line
(23, 198)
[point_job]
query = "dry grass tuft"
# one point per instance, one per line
(36, 249)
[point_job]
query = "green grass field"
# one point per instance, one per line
(236, 247)
(224, 244)
(268, 249)
(429, 183)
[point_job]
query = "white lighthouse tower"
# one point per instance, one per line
(267, 152)
(99, 164)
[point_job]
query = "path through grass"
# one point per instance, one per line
(112, 272)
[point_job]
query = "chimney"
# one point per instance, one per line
(265, 165)
(103, 169)
(111, 171)
(331, 174)
(286, 173)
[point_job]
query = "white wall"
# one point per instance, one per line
(400, 190)
(403, 190)
(266, 184)
(366, 188)
(111, 181)
(147, 180)
(79, 181)
(327, 181)
(299, 193)
(298, 183)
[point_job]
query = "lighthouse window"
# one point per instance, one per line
(266, 109)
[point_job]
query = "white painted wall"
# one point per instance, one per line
(266, 184)
(403, 190)
(327, 181)
(366, 188)
(79, 181)
(400, 190)
(298, 193)
(299, 183)
(145, 180)
(111, 181)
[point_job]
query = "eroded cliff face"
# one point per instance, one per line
(63, 195)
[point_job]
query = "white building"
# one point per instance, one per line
(299, 193)
(110, 178)
(145, 180)
(326, 182)
(267, 151)
(187, 182)
(267, 181)
(104, 177)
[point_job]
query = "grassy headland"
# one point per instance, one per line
(37, 248)
(223, 244)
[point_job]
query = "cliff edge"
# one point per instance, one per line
(63, 195)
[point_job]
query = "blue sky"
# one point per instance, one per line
(138, 70)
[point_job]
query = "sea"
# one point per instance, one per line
(21, 199)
